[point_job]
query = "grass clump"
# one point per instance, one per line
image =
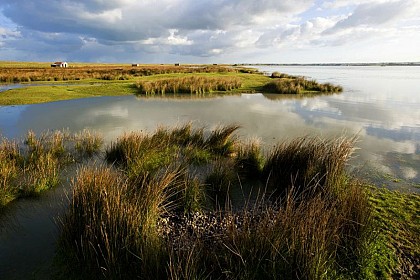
(32, 166)
(307, 161)
(188, 84)
(178, 220)
(286, 84)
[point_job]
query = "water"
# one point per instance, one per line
(379, 104)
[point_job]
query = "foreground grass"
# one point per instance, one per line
(33, 166)
(81, 81)
(397, 216)
(162, 209)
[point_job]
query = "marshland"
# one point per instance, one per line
(234, 186)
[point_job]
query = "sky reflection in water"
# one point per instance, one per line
(379, 104)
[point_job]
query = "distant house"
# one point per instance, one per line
(177, 64)
(135, 65)
(60, 64)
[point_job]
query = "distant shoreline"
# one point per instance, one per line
(334, 64)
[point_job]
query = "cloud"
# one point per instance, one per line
(376, 14)
(191, 29)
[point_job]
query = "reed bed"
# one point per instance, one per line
(30, 167)
(160, 220)
(19, 75)
(307, 162)
(189, 84)
(285, 84)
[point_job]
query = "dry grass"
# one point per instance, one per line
(118, 226)
(100, 72)
(188, 84)
(286, 84)
(307, 162)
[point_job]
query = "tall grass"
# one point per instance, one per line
(32, 166)
(162, 225)
(307, 161)
(189, 84)
(285, 84)
(111, 227)
(141, 154)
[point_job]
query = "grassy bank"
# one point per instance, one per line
(397, 216)
(81, 80)
(164, 208)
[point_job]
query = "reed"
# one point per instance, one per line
(188, 84)
(222, 141)
(88, 143)
(286, 84)
(34, 165)
(307, 161)
(111, 227)
(176, 220)
(10, 160)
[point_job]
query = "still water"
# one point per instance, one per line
(379, 104)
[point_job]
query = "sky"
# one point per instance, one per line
(210, 31)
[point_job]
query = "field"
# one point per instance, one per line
(83, 80)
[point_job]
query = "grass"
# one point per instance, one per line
(397, 218)
(83, 80)
(286, 84)
(163, 207)
(155, 212)
(30, 167)
(307, 162)
(188, 84)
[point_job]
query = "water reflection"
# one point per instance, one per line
(379, 104)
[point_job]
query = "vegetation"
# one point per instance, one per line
(101, 72)
(188, 84)
(286, 84)
(397, 220)
(163, 209)
(31, 167)
(83, 80)
(166, 206)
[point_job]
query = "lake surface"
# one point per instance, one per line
(379, 104)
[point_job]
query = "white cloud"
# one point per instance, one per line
(195, 30)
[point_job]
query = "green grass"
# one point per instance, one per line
(397, 217)
(82, 81)
(161, 206)
(51, 93)
(33, 166)
(139, 214)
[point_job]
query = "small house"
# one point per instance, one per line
(177, 64)
(135, 65)
(62, 64)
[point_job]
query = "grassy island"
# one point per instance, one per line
(83, 80)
